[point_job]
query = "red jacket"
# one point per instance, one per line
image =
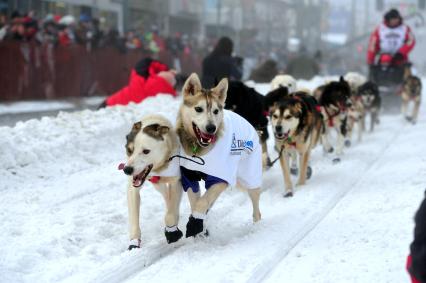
(408, 266)
(140, 88)
(390, 40)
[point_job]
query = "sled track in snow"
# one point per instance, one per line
(264, 270)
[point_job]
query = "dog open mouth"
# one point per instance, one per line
(203, 138)
(282, 136)
(139, 179)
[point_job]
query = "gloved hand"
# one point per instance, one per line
(398, 57)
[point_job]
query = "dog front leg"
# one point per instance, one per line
(172, 196)
(266, 161)
(133, 204)
(404, 106)
(416, 109)
(193, 198)
(326, 143)
(304, 158)
(360, 129)
(255, 196)
(286, 172)
(196, 220)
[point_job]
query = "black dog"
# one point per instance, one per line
(254, 107)
(335, 100)
(370, 98)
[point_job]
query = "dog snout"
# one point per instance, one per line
(278, 129)
(211, 129)
(128, 170)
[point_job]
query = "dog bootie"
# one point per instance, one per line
(173, 234)
(348, 143)
(134, 244)
(309, 172)
(194, 226)
(288, 195)
(336, 160)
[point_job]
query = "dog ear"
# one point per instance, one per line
(192, 85)
(156, 131)
(137, 126)
(221, 89)
(342, 79)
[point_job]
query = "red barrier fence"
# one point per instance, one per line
(34, 71)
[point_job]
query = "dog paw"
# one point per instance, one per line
(408, 118)
(309, 172)
(267, 163)
(134, 244)
(173, 236)
(336, 160)
(288, 194)
(348, 143)
(193, 227)
(294, 171)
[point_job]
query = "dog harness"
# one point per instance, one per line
(235, 156)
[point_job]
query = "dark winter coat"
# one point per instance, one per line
(216, 67)
(416, 263)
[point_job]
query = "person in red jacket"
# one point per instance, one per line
(392, 37)
(148, 78)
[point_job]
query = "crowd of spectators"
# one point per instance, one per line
(86, 30)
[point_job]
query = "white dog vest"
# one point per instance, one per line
(391, 40)
(235, 157)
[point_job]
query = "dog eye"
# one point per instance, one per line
(275, 116)
(215, 112)
(198, 109)
(146, 151)
(287, 117)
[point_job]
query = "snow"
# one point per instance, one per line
(47, 105)
(64, 212)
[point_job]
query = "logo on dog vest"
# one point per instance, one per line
(239, 146)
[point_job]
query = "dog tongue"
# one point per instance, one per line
(208, 137)
(121, 166)
(137, 182)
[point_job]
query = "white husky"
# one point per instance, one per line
(150, 145)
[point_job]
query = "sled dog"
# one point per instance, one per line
(371, 101)
(335, 101)
(284, 81)
(149, 146)
(412, 90)
(297, 124)
(219, 146)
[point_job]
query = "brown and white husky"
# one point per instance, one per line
(219, 146)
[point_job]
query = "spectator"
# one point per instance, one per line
(303, 66)
(265, 72)
(219, 64)
(148, 78)
(416, 262)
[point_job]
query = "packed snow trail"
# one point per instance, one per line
(366, 237)
(64, 213)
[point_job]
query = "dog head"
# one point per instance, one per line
(354, 80)
(201, 113)
(369, 93)
(284, 81)
(149, 145)
(275, 96)
(412, 86)
(336, 96)
(288, 115)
